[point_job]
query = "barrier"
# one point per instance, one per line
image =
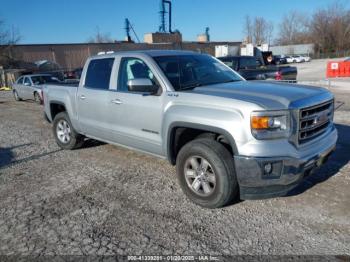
(338, 69)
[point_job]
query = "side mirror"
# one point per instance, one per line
(27, 84)
(142, 85)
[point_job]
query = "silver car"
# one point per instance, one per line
(30, 86)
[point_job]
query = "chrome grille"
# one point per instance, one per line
(314, 120)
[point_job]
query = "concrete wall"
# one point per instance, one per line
(72, 56)
(293, 49)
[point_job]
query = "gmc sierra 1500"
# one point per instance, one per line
(228, 137)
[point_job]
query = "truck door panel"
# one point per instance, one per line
(93, 99)
(139, 115)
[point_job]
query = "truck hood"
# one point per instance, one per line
(269, 95)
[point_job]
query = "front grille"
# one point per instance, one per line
(314, 121)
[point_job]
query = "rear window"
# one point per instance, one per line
(20, 81)
(99, 73)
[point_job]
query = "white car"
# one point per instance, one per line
(290, 59)
(297, 59)
(306, 58)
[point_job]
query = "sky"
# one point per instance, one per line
(75, 21)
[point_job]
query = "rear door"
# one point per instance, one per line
(93, 99)
(27, 88)
(250, 69)
(18, 85)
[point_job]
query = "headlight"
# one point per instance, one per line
(270, 124)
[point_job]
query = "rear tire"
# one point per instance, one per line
(206, 173)
(15, 95)
(65, 135)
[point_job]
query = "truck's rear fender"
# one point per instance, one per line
(63, 100)
(224, 124)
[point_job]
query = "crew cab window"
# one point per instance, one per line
(248, 63)
(133, 68)
(27, 81)
(20, 81)
(99, 73)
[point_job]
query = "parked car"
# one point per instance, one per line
(227, 137)
(73, 74)
(306, 58)
(289, 59)
(279, 60)
(251, 69)
(30, 86)
(295, 59)
(49, 67)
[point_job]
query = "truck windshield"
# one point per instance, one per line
(189, 71)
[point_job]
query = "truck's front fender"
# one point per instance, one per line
(220, 121)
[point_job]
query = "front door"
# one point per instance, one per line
(139, 115)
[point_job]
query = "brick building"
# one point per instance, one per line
(71, 56)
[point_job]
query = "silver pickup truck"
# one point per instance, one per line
(228, 137)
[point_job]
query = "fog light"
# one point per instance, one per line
(268, 168)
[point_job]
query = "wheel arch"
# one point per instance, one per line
(172, 135)
(56, 107)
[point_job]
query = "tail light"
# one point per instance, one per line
(42, 96)
(278, 75)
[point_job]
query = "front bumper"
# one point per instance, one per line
(286, 173)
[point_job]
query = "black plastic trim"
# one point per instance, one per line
(180, 124)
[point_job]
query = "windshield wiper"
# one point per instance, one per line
(228, 81)
(205, 84)
(190, 86)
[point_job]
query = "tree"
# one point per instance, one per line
(100, 37)
(248, 29)
(8, 38)
(258, 30)
(293, 29)
(330, 28)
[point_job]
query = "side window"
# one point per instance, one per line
(248, 63)
(27, 81)
(133, 68)
(20, 81)
(99, 73)
(258, 63)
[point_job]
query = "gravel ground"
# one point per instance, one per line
(106, 200)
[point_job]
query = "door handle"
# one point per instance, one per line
(82, 97)
(116, 101)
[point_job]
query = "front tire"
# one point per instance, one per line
(65, 135)
(37, 98)
(206, 173)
